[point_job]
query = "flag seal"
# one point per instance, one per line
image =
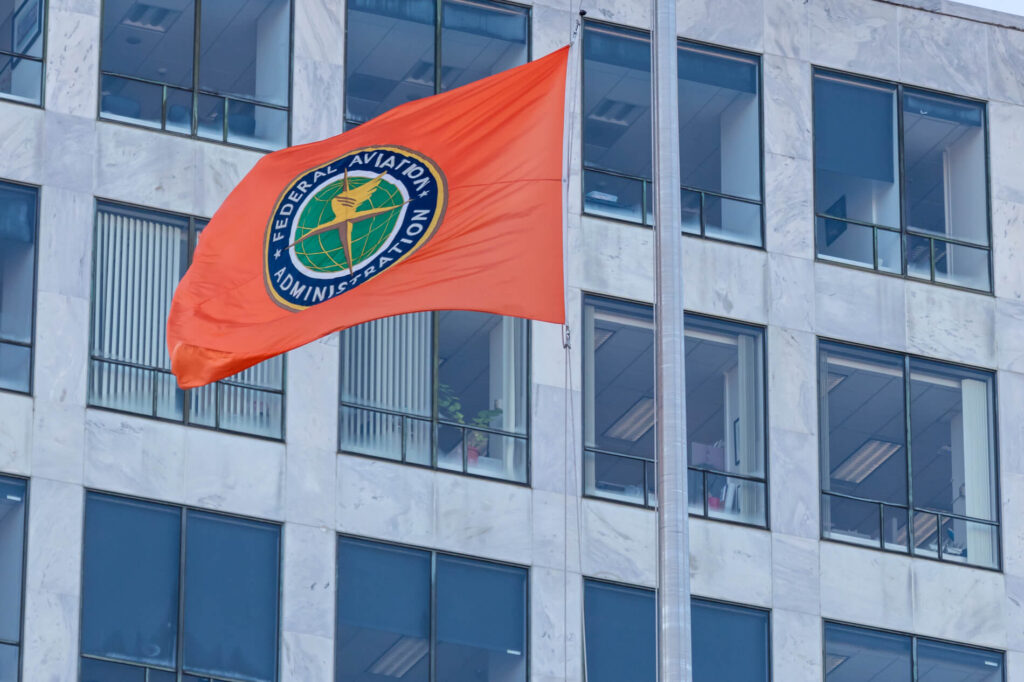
(344, 222)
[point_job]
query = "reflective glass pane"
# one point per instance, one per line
(919, 257)
(720, 632)
(131, 101)
(719, 121)
(15, 367)
(618, 379)
(844, 242)
(418, 441)
(969, 542)
(390, 55)
(482, 365)
(496, 456)
(734, 221)
(130, 580)
(614, 477)
(481, 621)
(963, 266)
(18, 210)
(691, 211)
(170, 400)
(383, 612)
(152, 41)
(231, 597)
(164, 676)
(863, 425)
(21, 79)
(479, 39)
(953, 454)
(250, 410)
(202, 405)
(855, 155)
(895, 528)
(736, 499)
(255, 126)
(210, 120)
(613, 196)
(695, 491)
(890, 251)
(926, 534)
(725, 396)
(449, 447)
(849, 520)
(121, 387)
(944, 158)
(22, 24)
(254, 62)
(179, 111)
(616, 100)
(368, 432)
(9, 663)
(857, 654)
(105, 671)
(12, 547)
(941, 662)
(620, 635)
(389, 363)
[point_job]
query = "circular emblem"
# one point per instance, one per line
(345, 222)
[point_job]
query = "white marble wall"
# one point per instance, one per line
(304, 484)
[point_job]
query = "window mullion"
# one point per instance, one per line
(910, 468)
(435, 387)
(902, 181)
(433, 617)
(197, 10)
(180, 663)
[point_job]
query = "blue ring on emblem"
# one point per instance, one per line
(419, 178)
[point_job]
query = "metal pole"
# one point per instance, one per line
(670, 382)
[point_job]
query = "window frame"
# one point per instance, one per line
(906, 359)
(434, 553)
(825, 622)
(30, 391)
(647, 191)
(435, 420)
(183, 510)
(20, 644)
(899, 90)
(193, 233)
(195, 90)
(702, 471)
(44, 26)
(349, 124)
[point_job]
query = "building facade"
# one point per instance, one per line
(458, 496)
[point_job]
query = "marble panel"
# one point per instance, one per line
(15, 433)
(58, 432)
(235, 474)
(613, 258)
(61, 349)
(555, 454)
(726, 281)
(306, 657)
(947, 324)
(731, 563)
(556, 531)
(483, 518)
(1009, 398)
(942, 52)
(796, 646)
(868, 587)
(1005, 64)
(1009, 328)
(551, 28)
(50, 644)
(72, 62)
(790, 295)
(795, 574)
(318, 107)
(385, 500)
(1011, 494)
(856, 36)
(65, 242)
(793, 483)
(619, 543)
(1006, 149)
(69, 149)
(127, 163)
(789, 207)
(792, 381)
(21, 143)
(787, 28)
(555, 643)
(311, 394)
(308, 585)
(959, 604)
(860, 306)
(633, 14)
(547, 355)
(54, 547)
(1008, 249)
(705, 20)
(317, 27)
(310, 485)
(787, 107)
(135, 456)
(219, 168)
(1015, 612)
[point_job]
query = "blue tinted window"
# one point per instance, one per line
(130, 580)
(18, 211)
(383, 612)
(940, 662)
(479, 39)
(620, 633)
(231, 585)
(13, 493)
(22, 31)
(719, 633)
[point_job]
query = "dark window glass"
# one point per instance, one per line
(620, 633)
(940, 662)
(131, 594)
(8, 662)
(393, 55)
(18, 212)
(857, 146)
(385, 596)
(140, 255)
(724, 410)
(866, 499)
(150, 74)
(13, 492)
(231, 583)
(383, 612)
(719, 631)
(22, 30)
(128, 613)
(478, 409)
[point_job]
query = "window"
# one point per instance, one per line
(213, 69)
(204, 603)
(22, 31)
(620, 637)
(725, 403)
(139, 256)
(854, 654)
(19, 215)
(940, 500)
(901, 181)
(13, 492)
(420, 616)
(446, 390)
(719, 134)
(401, 51)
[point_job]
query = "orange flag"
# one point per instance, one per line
(451, 202)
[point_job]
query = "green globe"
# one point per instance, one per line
(324, 252)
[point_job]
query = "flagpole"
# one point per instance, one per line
(674, 659)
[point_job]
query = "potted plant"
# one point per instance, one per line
(450, 407)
